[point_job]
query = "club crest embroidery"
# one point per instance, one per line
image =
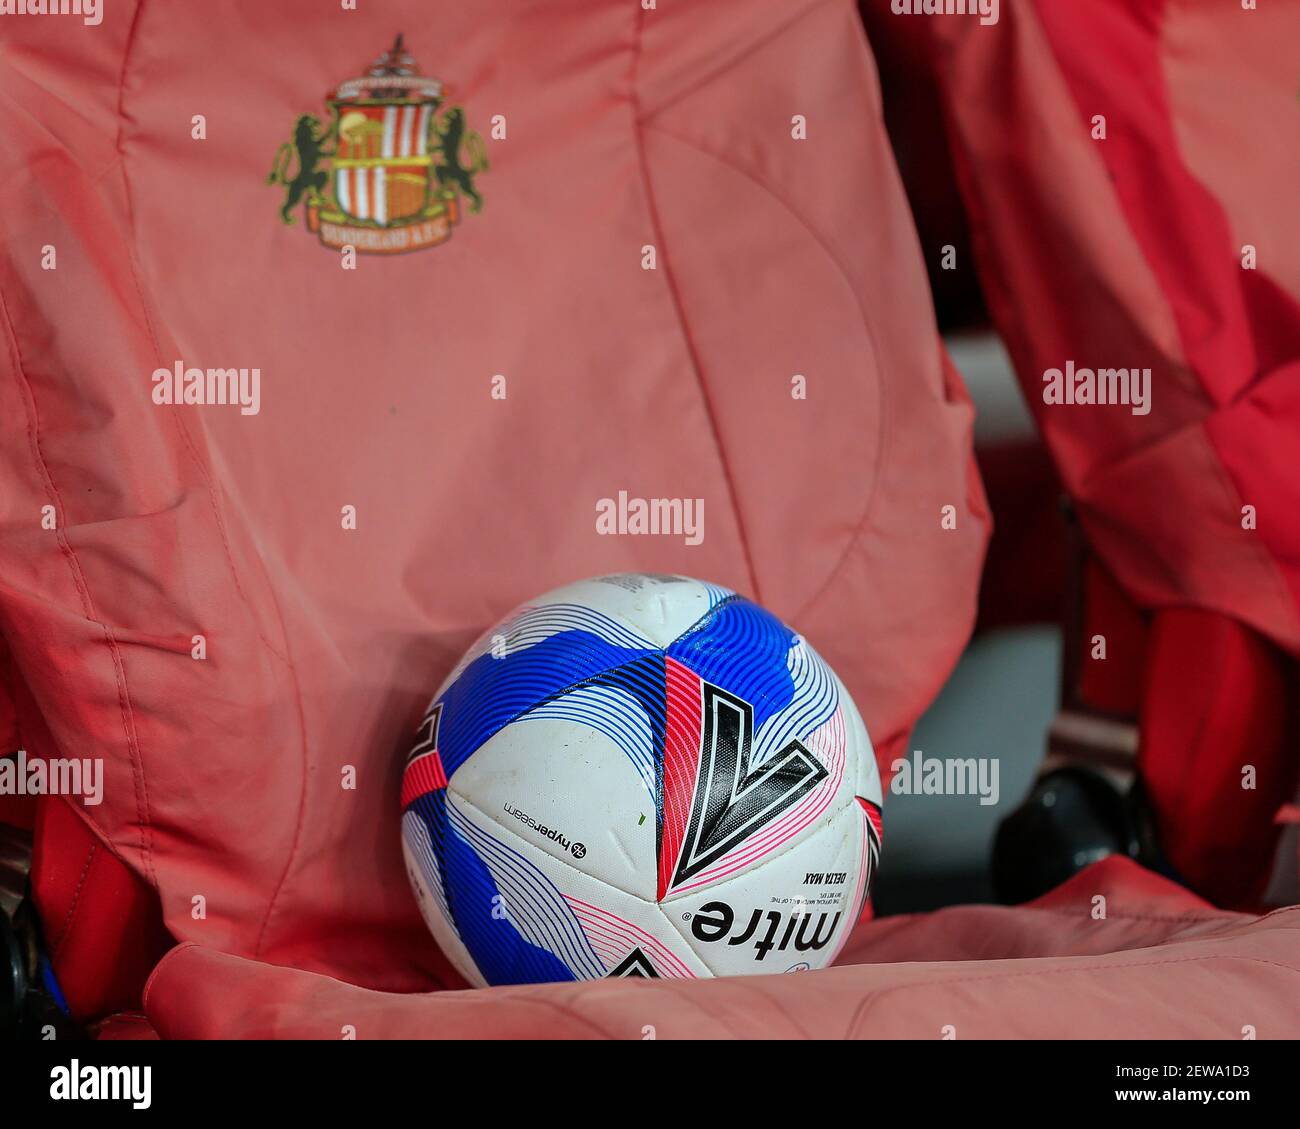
(392, 171)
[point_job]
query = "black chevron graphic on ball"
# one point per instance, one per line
(426, 737)
(635, 964)
(733, 801)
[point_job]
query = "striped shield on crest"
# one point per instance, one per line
(382, 170)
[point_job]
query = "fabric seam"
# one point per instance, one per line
(65, 929)
(885, 433)
(656, 227)
(210, 488)
(79, 582)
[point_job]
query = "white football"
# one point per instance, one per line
(640, 775)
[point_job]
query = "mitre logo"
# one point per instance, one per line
(715, 921)
(393, 168)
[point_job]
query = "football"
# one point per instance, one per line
(640, 775)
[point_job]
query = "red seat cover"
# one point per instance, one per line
(777, 257)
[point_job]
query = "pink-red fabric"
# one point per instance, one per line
(102, 929)
(124, 1025)
(224, 775)
(1114, 686)
(1160, 963)
(1128, 252)
(10, 741)
(1219, 751)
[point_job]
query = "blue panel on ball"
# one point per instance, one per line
(491, 692)
(741, 648)
(498, 950)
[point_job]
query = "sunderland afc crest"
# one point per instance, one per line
(392, 170)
